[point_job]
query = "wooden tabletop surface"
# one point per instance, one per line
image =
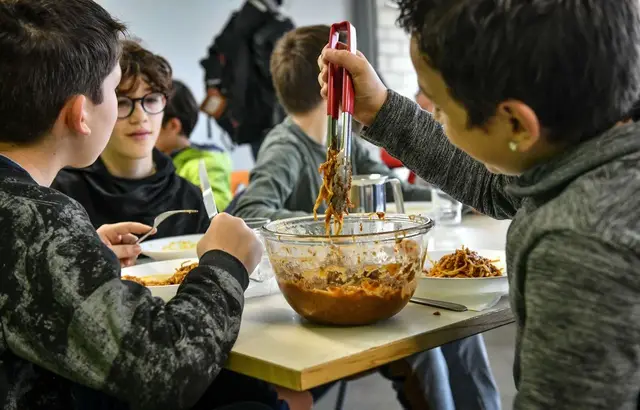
(277, 346)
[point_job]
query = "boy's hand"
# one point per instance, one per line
(370, 91)
(121, 239)
(232, 235)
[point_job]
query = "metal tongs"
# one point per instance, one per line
(340, 104)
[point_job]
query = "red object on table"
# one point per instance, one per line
(393, 162)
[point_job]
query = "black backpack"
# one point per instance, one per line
(237, 72)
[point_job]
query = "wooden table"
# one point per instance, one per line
(277, 346)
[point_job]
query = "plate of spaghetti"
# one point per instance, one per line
(463, 272)
(162, 278)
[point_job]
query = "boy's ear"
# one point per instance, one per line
(173, 125)
(524, 124)
(75, 115)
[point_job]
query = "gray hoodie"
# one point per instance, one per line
(573, 255)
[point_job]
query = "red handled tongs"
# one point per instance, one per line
(340, 104)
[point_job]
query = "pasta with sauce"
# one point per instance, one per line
(328, 170)
(464, 263)
(175, 279)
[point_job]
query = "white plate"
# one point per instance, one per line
(165, 293)
(158, 268)
(412, 208)
(442, 288)
(157, 248)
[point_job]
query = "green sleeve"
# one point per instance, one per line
(219, 172)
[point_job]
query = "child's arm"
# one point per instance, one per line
(66, 309)
(273, 178)
(414, 137)
(580, 345)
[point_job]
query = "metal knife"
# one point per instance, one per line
(456, 307)
(207, 193)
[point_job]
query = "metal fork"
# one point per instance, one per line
(162, 217)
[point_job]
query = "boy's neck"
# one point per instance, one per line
(41, 162)
(313, 123)
(182, 142)
(128, 168)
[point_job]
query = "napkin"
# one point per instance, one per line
(257, 289)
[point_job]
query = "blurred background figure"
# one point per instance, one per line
(240, 94)
(180, 118)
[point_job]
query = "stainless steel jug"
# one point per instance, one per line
(368, 193)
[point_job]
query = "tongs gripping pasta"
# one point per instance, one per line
(340, 104)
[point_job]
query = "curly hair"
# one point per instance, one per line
(574, 62)
(139, 64)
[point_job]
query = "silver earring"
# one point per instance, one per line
(513, 146)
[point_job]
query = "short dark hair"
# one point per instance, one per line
(574, 62)
(138, 64)
(183, 106)
(294, 68)
(51, 50)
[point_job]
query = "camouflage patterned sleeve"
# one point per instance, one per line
(66, 309)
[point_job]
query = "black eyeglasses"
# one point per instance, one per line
(153, 103)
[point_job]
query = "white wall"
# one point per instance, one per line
(182, 32)
(393, 53)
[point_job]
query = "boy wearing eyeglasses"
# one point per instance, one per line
(133, 181)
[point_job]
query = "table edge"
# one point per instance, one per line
(308, 378)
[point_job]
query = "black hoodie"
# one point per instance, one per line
(109, 199)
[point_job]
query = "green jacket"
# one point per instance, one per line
(218, 168)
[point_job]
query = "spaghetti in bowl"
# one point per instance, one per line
(365, 274)
(448, 280)
(162, 278)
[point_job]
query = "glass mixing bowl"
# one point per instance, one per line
(366, 274)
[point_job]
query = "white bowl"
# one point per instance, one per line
(412, 208)
(255, 289)
(158, 268)
(442, 288)
(157, 249)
